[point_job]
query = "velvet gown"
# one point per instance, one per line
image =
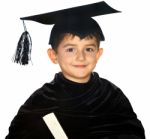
(97, 109)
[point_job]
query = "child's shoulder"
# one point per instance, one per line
(110, 88)
(107, 83)
(43, 95)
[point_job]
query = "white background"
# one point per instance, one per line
(125, 61)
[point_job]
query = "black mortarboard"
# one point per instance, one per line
(76, 18)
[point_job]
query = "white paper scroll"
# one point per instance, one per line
(54, 126)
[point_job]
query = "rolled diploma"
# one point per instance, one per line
(54, 126)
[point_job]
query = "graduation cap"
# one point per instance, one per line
(76, 20)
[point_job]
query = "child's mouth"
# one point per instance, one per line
(80, 66)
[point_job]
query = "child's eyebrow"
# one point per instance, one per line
(69, 44)
(94, 45)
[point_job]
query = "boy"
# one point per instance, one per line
(86, 106)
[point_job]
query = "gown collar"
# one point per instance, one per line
(73, 89)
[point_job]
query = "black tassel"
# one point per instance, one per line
(23, 51)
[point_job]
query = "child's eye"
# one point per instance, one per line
(90, 49)
(70, 50)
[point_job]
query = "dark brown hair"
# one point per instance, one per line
(80, 27)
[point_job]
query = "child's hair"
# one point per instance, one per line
(81, 28)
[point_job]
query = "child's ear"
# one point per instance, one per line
(99, 53)
(52, 55)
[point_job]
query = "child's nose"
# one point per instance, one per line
(80, 55)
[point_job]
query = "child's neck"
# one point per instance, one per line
(78, 80)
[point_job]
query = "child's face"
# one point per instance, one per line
(77, 57)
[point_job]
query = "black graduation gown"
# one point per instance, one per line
(94, 110)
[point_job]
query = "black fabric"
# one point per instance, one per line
(94, 110)
(85, 11)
